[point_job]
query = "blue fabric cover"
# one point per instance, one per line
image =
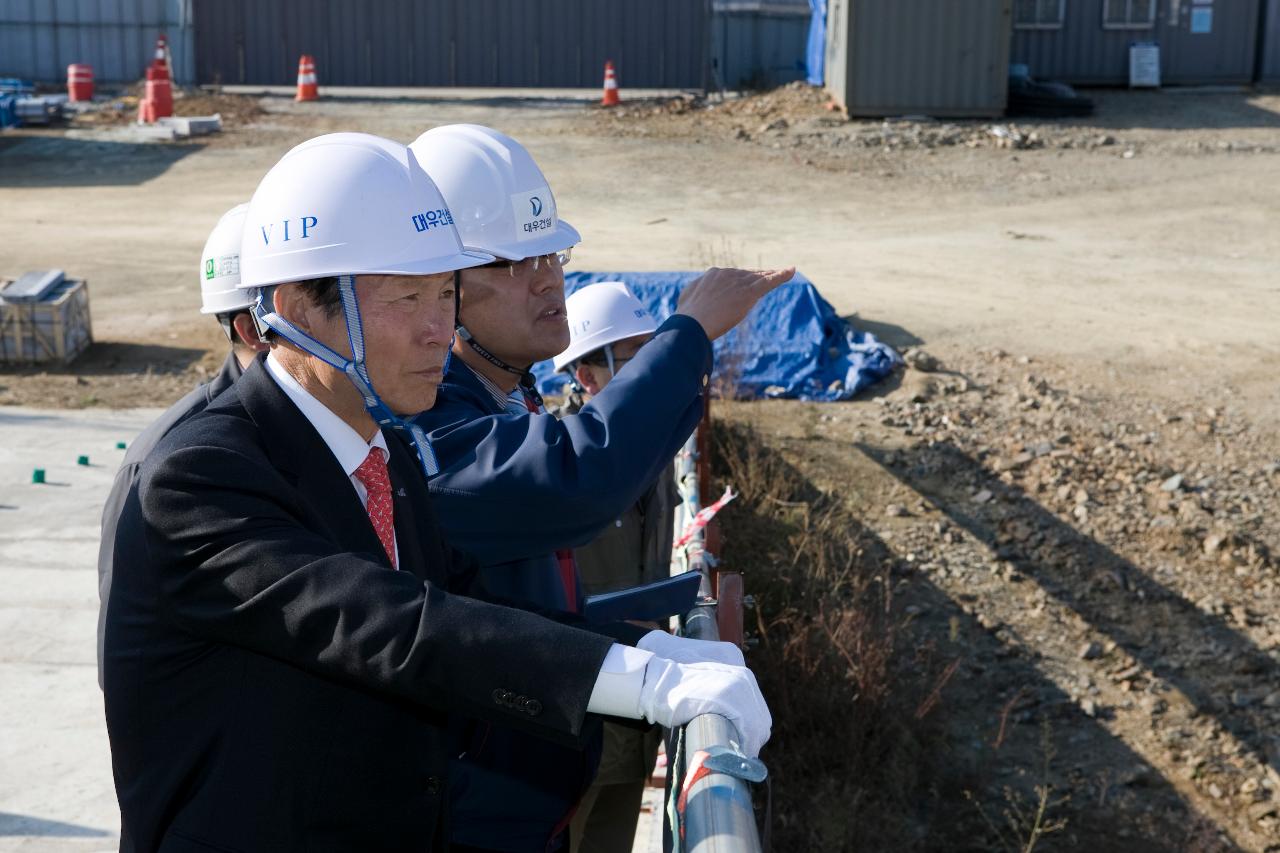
(816, 55)
(8, 111)
(792, 345)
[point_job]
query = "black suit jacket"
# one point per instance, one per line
(271, 683)
(192, 404)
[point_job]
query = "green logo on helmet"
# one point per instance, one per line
(209, 268)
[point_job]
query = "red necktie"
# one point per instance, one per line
(377, 482)
(564, 556)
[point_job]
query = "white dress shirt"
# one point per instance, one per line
(346, 444)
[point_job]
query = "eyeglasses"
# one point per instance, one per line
(528, 266)
(603, 362)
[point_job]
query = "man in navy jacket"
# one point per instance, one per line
(551, 484)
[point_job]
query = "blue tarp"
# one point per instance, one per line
(8, 113)
(816, 55)
(792, 345)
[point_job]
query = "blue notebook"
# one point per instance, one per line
(652, 601)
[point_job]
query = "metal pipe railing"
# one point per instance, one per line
(718, 815)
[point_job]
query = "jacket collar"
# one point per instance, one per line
(225, 378)
(410, 500)
(296, 450)
(465, 382)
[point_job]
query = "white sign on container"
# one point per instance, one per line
(1144, 65)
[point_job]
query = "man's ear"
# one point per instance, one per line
(247, 333)
(587, 379)
(293, 305)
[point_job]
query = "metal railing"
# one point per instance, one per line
(717, 815)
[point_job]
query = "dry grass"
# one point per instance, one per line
(855, 705)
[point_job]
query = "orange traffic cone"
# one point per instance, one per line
(162, 55)
(157, 103)
(610, 97)
(306, 79)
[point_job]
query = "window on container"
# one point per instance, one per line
(1128, 14)
(1039, 14)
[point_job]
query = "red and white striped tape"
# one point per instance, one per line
(704, 515)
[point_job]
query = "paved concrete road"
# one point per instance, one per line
(55, 769)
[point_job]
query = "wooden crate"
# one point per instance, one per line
(57, 328)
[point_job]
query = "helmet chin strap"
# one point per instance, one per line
(488, 356)
(608, 357)
(577, 386)
(353, 368)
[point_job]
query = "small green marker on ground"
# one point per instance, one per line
(120, 445)
(37, 476)
(82, 460)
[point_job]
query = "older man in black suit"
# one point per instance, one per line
(286, 642)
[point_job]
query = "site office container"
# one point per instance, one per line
(757, 44)
(1087, 41)
(896, 57)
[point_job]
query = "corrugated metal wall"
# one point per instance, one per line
(1085, 53)
(1269, 67)
(757, 45)
(893, 57)
(655, 43)
(40, 38)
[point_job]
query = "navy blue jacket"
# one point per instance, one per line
(512, 489)
(549, 483)
(192, 404)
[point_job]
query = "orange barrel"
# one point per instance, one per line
(79, 82)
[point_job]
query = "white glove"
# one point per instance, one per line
(675, 693)
(686, 650)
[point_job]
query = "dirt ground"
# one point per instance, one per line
(1154, 272)
(1076, 481)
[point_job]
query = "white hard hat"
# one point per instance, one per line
(500, 200)
(348, 204)
(601, 314)
(220, 291)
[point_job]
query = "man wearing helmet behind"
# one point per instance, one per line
(607, 327)
(548, 484)
(285, 643)
(220, 296)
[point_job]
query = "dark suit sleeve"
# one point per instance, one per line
(237, 566)
(564, 479)
(464, 580)
(126, 474)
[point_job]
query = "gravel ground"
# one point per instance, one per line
(1101, 566)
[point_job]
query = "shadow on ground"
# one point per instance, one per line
(1194, 651)
(890, 333)
(56, 160)
(994, 748)
(16, 824)
(1172, 109)
(110, 358)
